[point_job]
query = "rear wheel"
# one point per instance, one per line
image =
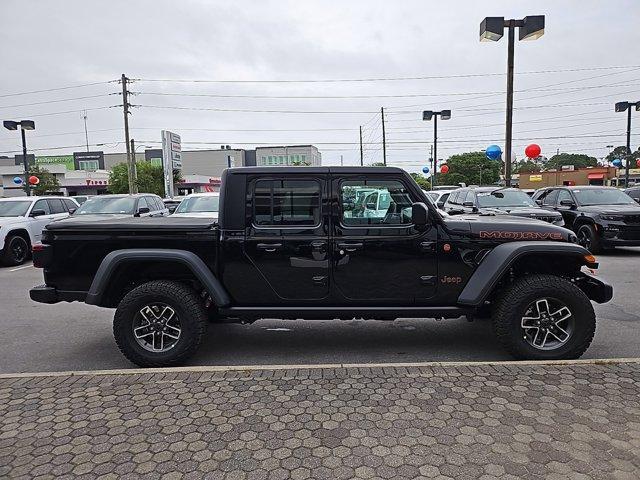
(159, 324)
(16, 250)
(544, 317)
(588, 238)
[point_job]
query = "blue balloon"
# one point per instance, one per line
(17, 180)
(617, 162)
(493, 152)
(425, 170)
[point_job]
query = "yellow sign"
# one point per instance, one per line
(535, 178)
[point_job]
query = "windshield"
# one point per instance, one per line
(199, 204)
(434, 196)
(505, 198)
(14, 209)
(603, 196)
(107, 205)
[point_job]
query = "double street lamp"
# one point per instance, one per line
(492, 30)
(24, 125)
(621, 107)
(427, 115)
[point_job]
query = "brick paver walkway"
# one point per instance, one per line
(462, 422)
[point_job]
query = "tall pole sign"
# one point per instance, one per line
(171, 160)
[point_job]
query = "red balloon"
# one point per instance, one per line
(638, 163)
(33, 180)
(532, 151)
(444, 169)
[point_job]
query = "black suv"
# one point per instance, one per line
(601, 217)
(634, 192)
(498, 201)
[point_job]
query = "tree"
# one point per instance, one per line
(472, 168)
(149, 178)
(621, 153)
(423, 183)
(526, 166)
(48, 182)
(578, 160)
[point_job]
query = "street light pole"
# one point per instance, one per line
(621, 107)
(428, 115)
(25, 161)
(509, 119)
(492, 29)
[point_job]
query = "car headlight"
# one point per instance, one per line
(612, 218)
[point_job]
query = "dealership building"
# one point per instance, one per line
(87, 173)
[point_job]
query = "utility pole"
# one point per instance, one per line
(361, 150)
(384, 139)
(131, 161)
(341, 161)
(86, 134)
(27, 185)
(133, 149)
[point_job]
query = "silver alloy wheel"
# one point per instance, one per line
(157, 328)
(19, 249)
(548, 324)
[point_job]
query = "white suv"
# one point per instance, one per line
(22, 220)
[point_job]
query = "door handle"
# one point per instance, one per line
(319, 245)
(350, 246)
(426, 246)
(269, 247)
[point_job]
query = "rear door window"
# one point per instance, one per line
(56, 206)
(374, 202)
(550, 198)
(278, 203)
(69, 204)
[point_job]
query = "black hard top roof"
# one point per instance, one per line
(313, 170)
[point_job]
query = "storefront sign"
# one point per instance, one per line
(66, 160)
(535, 178)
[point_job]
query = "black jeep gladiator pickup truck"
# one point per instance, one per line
(298, 243)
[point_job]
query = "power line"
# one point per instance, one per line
(56, 89)
(44, 102)
(67, 111)
(241, 110)
(381, 79)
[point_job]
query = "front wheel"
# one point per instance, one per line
(159, 324)
(544, 317)
(588, 238)
(16, 251)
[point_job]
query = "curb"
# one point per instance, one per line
(223, 368)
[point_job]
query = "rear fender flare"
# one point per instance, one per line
(498, 261)
(99, 285)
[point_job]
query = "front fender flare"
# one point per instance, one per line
(113, 260)
(498, 261)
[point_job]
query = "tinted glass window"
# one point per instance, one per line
(471, 197)
(14, 209)
(564, 195)
(56, 206)
(602, 196)
(107, 205)
(443, 198)
(372, 202)
(286, 203)
(142, 203)
(158, 203)
(505, 198)
(69, 204)
(42, 205)
(454, 197)
(199, 204)
(550, 198)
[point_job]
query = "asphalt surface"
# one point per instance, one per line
(37, 337)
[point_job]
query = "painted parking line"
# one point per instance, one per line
(20, 268)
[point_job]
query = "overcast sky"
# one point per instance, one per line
(50, 44)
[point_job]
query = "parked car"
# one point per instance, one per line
(634, 192)
(285, 247)
(172, 203)
(498, 201)
(139, 205)
(439, 197)
(22, 220)
(204, 205)
(601, 217)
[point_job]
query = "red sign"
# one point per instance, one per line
(96, 182)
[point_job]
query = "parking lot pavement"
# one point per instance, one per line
(74, 336)
(509, 420)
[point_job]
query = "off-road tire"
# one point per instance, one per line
(188, 306)
(8, 258)
(590, 231)
(510, 308)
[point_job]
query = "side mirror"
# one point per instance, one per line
(539, 202)
(142, 211)
(567, 203)
(637, 200)
(37, 213)
(419, 214)
(72, 211)
(370, 206)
